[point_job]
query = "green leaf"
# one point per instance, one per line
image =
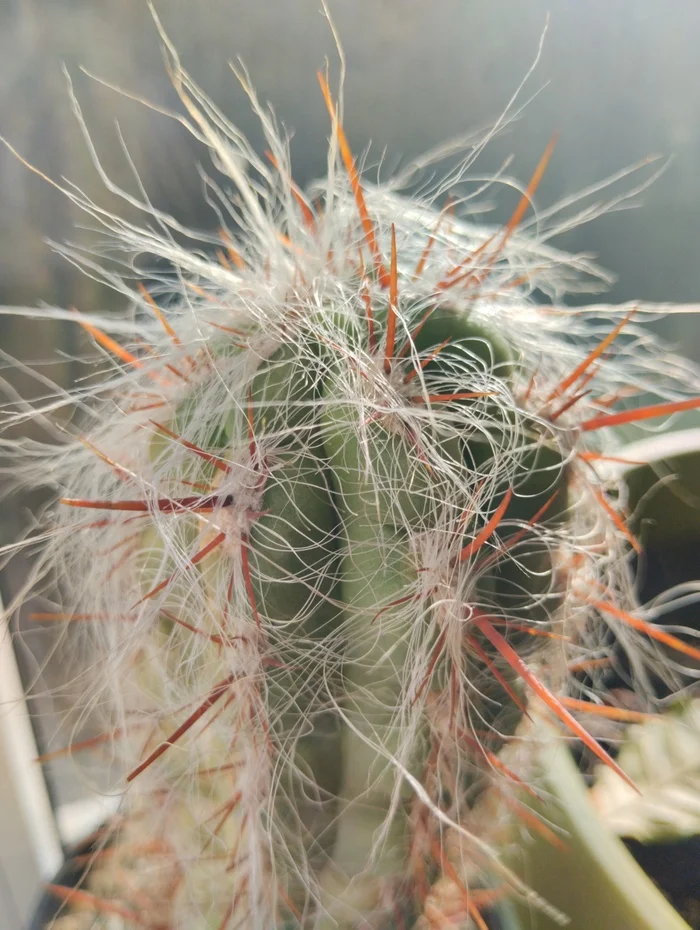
(662, 757)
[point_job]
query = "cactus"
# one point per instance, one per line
(336, 523)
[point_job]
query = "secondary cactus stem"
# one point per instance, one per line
(369, 854)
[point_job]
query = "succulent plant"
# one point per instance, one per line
(335, 522)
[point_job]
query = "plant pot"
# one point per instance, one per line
(70, 875)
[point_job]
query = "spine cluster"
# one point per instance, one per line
(334, 524)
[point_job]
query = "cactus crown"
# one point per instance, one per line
(336, 518)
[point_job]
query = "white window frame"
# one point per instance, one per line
(33, 833)
(30, 846)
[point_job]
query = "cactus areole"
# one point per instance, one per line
(333, 525)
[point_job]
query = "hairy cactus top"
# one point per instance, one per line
(336, 517)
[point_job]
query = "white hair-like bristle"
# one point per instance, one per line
(238, 733)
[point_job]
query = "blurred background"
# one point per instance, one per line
(618, 82)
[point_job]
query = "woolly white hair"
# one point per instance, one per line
(304, 715)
